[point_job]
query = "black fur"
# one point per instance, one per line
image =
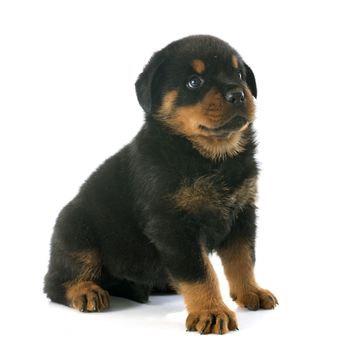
(123, 210)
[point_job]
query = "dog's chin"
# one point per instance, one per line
(234, 125)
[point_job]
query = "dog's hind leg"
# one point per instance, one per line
(75, 268)
(73, 279)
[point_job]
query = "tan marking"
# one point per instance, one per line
(238, 265)
(235, 62)
(245, 194)
(202, 295)
(205, 305)
(89, 265)
(216, 149)
(86, 296)
(207, 193)
(198, 66)
(211, 112)
(167, 107)
(202, 194)
(249, 103)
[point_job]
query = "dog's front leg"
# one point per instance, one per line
(237, 254)
(194, 277)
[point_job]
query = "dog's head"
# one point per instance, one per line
(200, 88)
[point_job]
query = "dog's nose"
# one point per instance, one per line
(235, 97)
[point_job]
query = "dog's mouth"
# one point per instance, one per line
(236, 123)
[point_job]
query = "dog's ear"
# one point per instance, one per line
(250, 79)
(143, 84)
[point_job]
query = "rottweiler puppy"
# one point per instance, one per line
(148, 217)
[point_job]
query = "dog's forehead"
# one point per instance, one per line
(201, 62)
(203, 53)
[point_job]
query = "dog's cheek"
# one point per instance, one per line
(187, 120)
(167, 106)
(250, 104)
(182, 120)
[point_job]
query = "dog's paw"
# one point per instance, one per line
(257, 299)
(87, 296)
(218, 321)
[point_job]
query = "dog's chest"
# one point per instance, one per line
(213, 194)
(244, 195)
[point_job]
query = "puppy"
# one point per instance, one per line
(148, 217)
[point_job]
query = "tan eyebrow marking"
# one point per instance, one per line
(198, 66)
(235, 62)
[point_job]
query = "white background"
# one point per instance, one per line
(67, 102)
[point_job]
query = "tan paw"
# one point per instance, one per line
(218, 321)
(257, 299)
(87, 296)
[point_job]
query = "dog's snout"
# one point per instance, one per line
(235, 97)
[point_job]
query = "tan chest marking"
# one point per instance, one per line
(200, 194)
(205, 194)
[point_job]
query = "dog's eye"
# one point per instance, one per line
(195, 82)
(239, 75)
